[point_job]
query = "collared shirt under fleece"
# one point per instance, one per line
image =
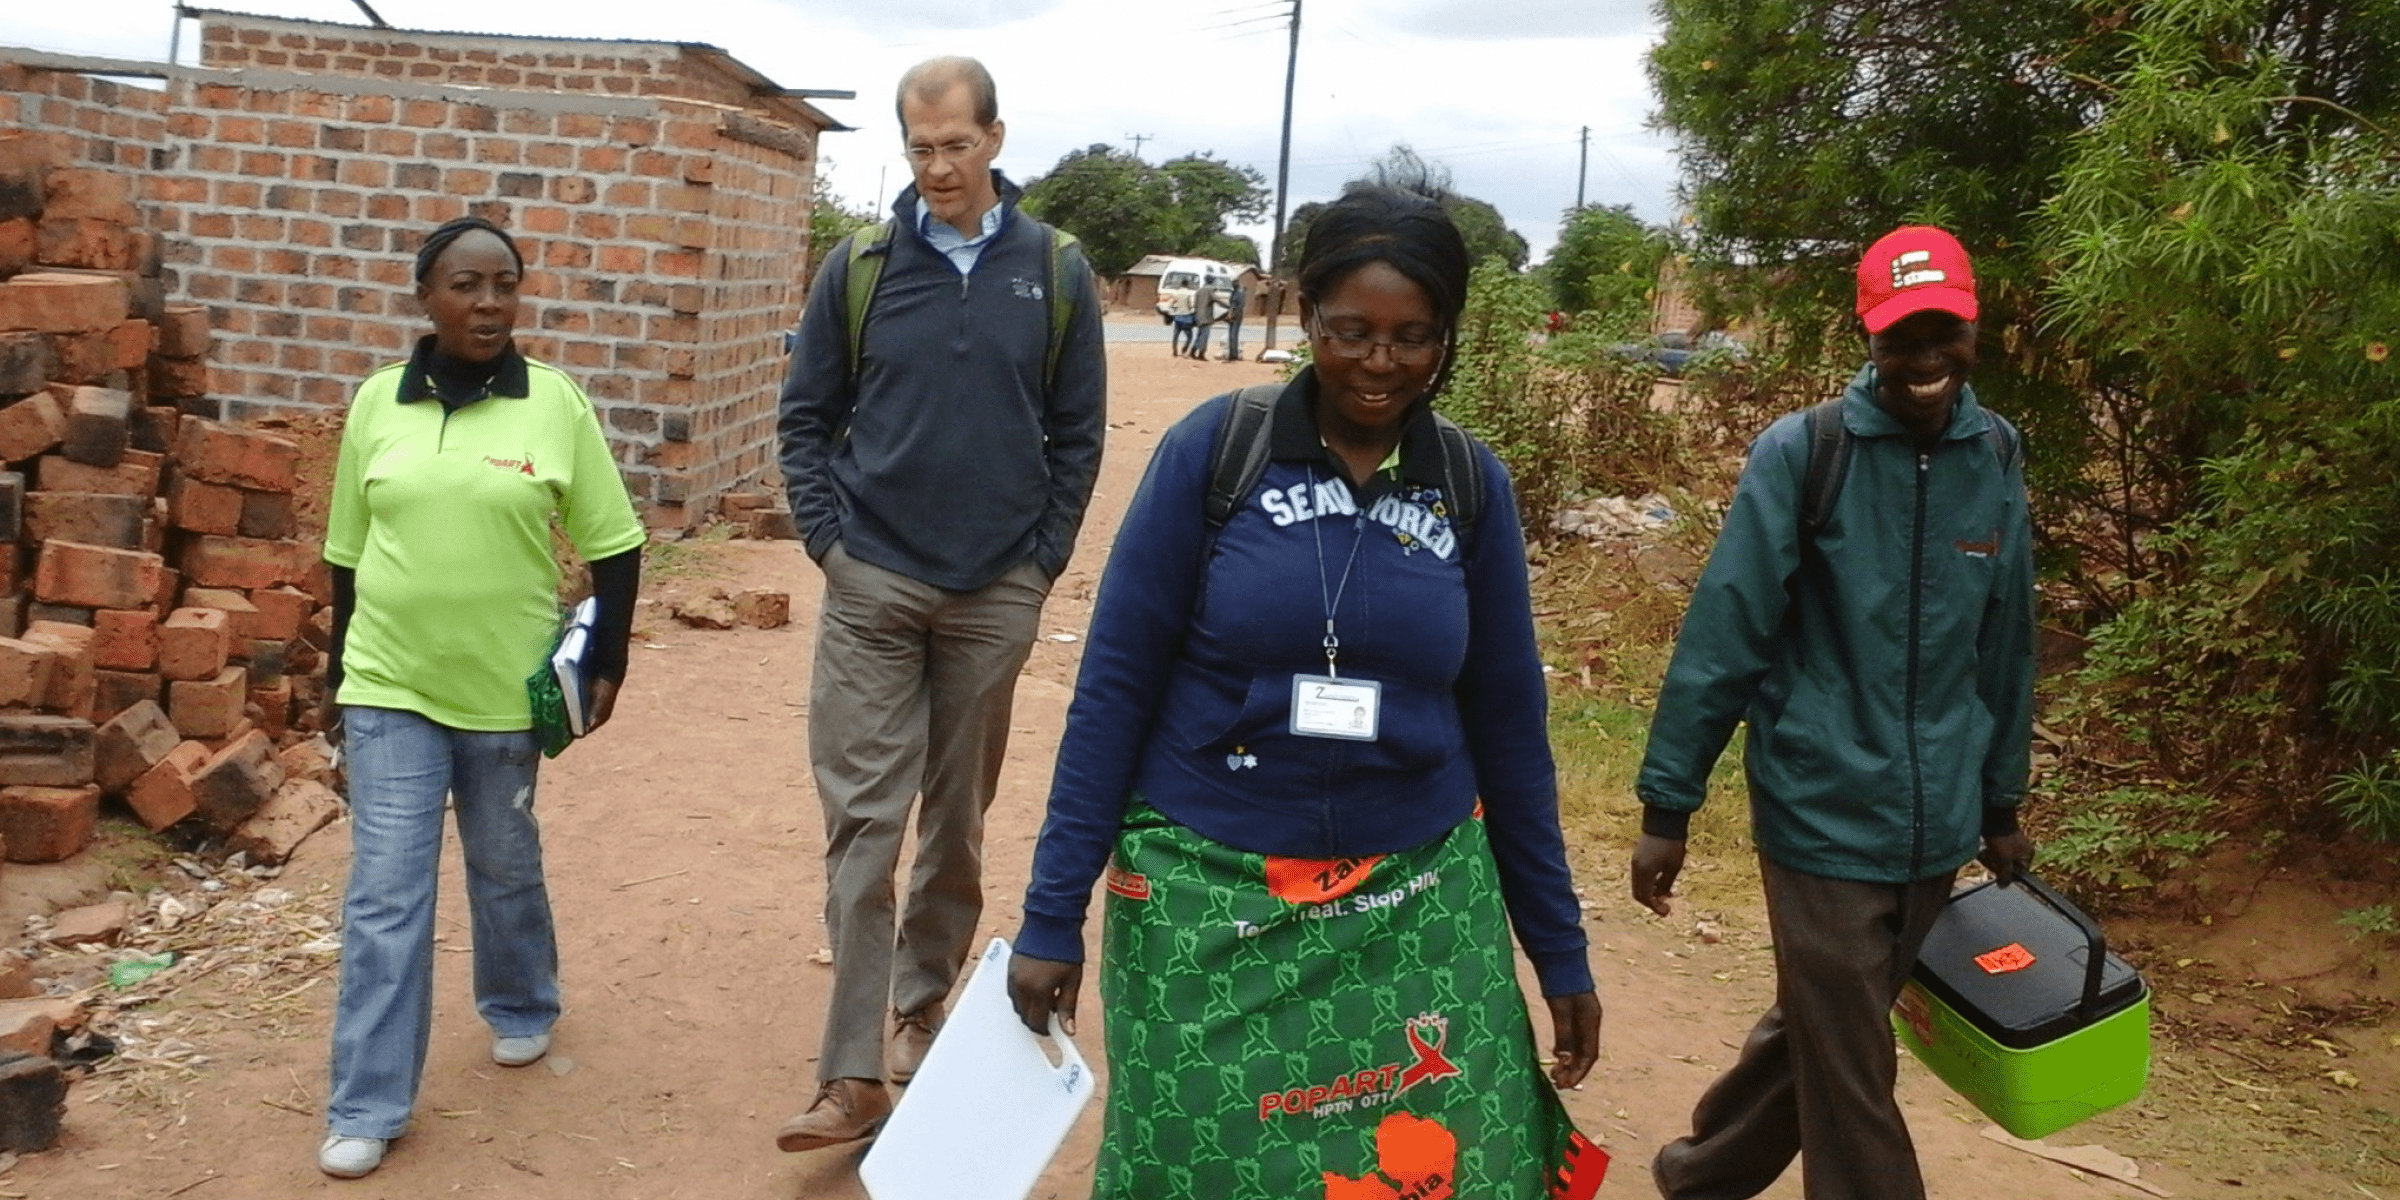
(946, 459)
(1184, 697)
(961, 250)
(445, 516)
(1884, 666)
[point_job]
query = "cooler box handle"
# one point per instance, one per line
(2096, 947)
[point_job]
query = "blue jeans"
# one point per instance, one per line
(402, 767)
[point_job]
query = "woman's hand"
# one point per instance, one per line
(1038, 987)
(604, 702)
(1574, 1036)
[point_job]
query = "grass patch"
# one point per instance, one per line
(1607, 618)
(686, 559)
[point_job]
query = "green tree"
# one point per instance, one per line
(1295, 235)
(1209, 193)
(1121, 207)
(2225, 241)
(829, 219)
(1606, 263)
(1486, 233)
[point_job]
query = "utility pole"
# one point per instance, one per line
(1137, 139)
(1583, 162)
(1283, 181)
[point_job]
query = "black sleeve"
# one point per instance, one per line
(345, 601)
(615, 580)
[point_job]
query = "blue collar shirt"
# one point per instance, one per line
(961, 250)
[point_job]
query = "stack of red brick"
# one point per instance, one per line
(153, 597)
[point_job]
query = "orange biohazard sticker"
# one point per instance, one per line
(1317, 880)
(2011, 957)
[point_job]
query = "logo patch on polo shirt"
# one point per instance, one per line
(522, 466)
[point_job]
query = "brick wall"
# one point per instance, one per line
(102, 122)
(663, 234)
(758, 205)
(237, 41)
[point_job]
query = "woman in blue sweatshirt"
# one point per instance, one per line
(1281, 732)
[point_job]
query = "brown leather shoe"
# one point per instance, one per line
(912, 1036)
(845, 1110)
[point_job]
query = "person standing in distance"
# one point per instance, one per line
(1237, 300)
(938, 470)
(1884, 663)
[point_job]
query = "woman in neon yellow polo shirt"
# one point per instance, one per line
(452, 464)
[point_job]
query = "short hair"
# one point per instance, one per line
(929, 80)
(452, 230)
(1404, 228)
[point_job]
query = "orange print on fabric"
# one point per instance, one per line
(1317, 880)
(1128, 884)
(1586, 1166)
(1415, 1159)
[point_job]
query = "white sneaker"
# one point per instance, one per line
(520, 1051)
(349, 1157)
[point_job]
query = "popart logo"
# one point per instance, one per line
(1428, 1038)
(522, 466)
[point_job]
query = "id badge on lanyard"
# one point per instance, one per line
(1323, 706)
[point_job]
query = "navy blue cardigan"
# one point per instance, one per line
(1185, 692)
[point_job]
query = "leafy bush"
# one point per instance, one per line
(2368, 798)
(2127, 839)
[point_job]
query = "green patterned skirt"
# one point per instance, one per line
(1350, 1029)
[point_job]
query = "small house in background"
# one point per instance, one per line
(1136, 287)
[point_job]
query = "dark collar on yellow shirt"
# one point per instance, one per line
(417, 380)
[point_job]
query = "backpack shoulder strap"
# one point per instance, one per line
(1065, 254)
(1239, 455)
(1828, 462)
(2007, 444)
(869, 248)
(1462, 478)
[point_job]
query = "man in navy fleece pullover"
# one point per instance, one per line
(940, 485)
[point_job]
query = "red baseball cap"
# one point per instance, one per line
(1910, 270)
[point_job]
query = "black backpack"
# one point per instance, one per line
(1239, 456)
(1829, 459)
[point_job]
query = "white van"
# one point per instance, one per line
(1183, 279)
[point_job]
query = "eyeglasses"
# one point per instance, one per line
(1357, 347)
(947, 151)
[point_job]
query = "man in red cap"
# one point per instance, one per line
(1868, 611)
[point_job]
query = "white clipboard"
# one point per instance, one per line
(987, 1110)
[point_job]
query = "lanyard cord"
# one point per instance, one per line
(1333, 598)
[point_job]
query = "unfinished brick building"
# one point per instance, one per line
(661, 192)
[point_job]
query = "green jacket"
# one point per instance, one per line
(1885, 666)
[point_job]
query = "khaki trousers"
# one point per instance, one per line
(910, 696)
(1815, 1078)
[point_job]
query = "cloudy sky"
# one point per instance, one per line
(1495, 90)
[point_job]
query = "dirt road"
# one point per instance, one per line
(683, 849)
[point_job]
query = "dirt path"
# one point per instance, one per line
(683, 852)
